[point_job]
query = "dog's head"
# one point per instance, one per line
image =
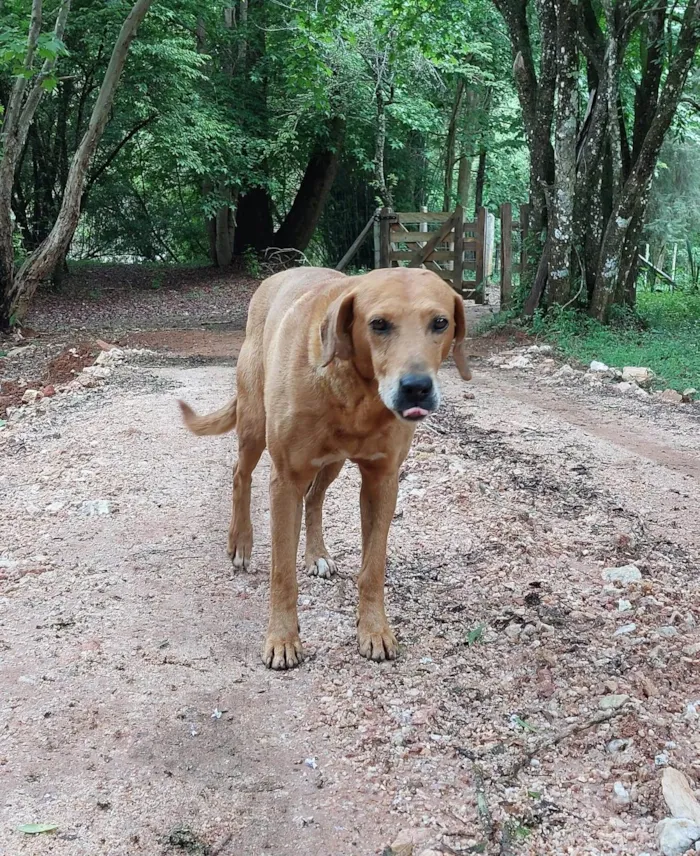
(397, 326)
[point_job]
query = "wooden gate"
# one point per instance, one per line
(443, 242)
(440, 241)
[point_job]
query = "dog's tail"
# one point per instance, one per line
(219, 422)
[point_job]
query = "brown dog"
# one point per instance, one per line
(333, 368)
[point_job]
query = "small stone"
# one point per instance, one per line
(518, 363)
(613, 701)
(677, 835)
(513, 632)
(625, 630)
(670, 396)
(624, 605)
(625, 574)
(621, 796)
(31, 395)
(565, 371)
(48, 391)
(405, 842)
(625, 387)
(637, 374)
(668, 630)
(618, 745)
(597, 366)
(54, 507)
(692, 650)
(689, 394)
(98, 372)
(95, 507)
(679, 796)
(661, 760)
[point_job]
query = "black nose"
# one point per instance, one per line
(416, 386)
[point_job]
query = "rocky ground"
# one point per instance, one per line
(542, 579)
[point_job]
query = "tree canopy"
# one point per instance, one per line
(286, 123)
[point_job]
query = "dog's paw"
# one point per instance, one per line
(282, 652)
(323, 567)
(377, 642)
(240, 549)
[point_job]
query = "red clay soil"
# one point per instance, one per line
(60, 370)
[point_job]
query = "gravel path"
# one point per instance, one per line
(136, 713)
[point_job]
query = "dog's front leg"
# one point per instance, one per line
(377, 505)
(282, 649)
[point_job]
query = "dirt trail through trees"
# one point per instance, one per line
(136, 713)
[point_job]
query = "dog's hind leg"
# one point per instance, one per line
(251, 444)
(318, 562)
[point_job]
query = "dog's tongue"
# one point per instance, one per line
(414, 413)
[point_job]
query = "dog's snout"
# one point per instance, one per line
(416, 386)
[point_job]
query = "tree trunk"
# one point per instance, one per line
(254, 227)
(383, 189)
(480, 181)
(559, 286)
(610, 282)
(450, 147)
(44, 260)
(464, 179)
(300, 223)
(13, 136)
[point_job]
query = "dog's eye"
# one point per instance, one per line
(440, 325)
(380, 325)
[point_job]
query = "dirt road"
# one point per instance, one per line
(136, 713)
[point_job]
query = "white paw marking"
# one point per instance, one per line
(324, 568)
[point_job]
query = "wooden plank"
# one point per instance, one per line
(481, 239)
(386, 217)
(443, 274)
(408, 255)
(506, 255)
(430, 245)
(398, 236)
(424, 216)
(356, 244)
(458, 266)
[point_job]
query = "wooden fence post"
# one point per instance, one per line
(377, 238)
(385, 218)
(506, 255)
(480, 279)
(458, 266)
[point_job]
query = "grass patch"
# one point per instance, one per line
(663, 333)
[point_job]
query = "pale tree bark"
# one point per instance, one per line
(563, 192)
(19, 116)
(612, 276)
(450, 146)
(43, 260)
(464, 179)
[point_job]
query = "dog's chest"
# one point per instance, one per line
(344, 455)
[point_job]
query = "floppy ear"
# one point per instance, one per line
(459, 352)
(336, 338)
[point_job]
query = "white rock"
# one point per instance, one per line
(513, 632)
(31, 395)
(54, 507)
(596, 366)
(625, 630)
(621, 796)
(613, 701)
(99, 372)
(667, 631)
(677, 835)
(625, 574)
(518, 363)
(109, 358)
(637, 374)
(679, 796)
(624, 605)
(641, 393)
(565, 371)
(661, 760)
(95, 507)
(620, 744)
